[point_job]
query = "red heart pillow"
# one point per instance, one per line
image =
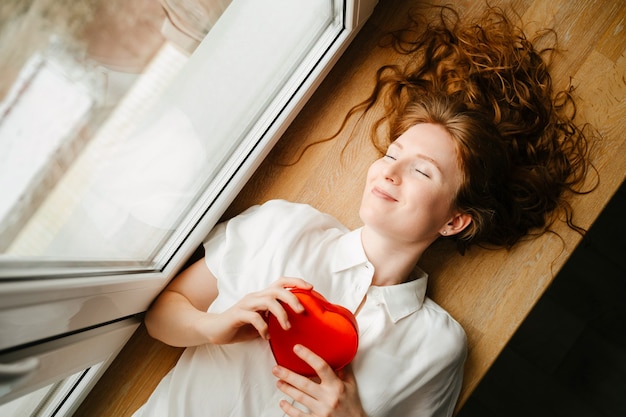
(329, 330)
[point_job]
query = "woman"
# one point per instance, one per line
(478, 151)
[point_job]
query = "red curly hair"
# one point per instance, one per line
(488, 85)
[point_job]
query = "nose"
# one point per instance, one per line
(392, 173)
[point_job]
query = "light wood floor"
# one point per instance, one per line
(488, 292)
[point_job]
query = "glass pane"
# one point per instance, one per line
(28, 405)
(119, 120)
(49, 400)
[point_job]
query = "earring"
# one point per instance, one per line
(444, 232)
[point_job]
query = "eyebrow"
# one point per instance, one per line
(419, 155)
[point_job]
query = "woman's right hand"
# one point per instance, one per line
(179, 315)
(246, 319)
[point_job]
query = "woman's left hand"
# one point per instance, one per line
(330, 395)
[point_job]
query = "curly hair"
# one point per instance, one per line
(489, 86)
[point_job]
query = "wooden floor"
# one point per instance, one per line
(488, 292)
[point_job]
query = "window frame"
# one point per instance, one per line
(30, 291)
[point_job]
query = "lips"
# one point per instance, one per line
(379, 192)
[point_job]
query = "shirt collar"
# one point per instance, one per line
(403, 299)
(349, 252)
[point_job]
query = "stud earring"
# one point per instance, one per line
(444, 232)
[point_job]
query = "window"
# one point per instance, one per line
(133, 150)
(46, 400)
(126, 129)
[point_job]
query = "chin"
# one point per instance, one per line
(372, 218)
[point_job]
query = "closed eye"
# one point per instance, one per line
(390, 157)
(423, 173)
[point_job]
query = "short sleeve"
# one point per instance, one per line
(233, 236)
(214, 246)
(262, 239)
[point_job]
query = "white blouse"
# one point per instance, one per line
(411, 352)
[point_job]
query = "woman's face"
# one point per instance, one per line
(409, 192)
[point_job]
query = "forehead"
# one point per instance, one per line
(428, 140)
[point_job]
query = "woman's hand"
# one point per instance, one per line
(179, 315)
(245, 320)
(330, 395)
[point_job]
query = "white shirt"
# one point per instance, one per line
(411, 352)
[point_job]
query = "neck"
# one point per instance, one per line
(393, 261)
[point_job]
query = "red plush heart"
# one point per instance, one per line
(329, 330)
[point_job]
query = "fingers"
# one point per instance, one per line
(252, 308)
(321, 395)
(290, 410)
(319, 365)
(258, 322)
(290, 282)
(324, 371)
(247, 318)
(284, 284)
(296, 386)
(279, 291)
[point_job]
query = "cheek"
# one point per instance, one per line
(436, 204)
(374, 169)
(373, 173)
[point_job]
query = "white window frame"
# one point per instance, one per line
(28, 291)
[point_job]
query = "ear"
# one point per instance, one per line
(456, 224)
